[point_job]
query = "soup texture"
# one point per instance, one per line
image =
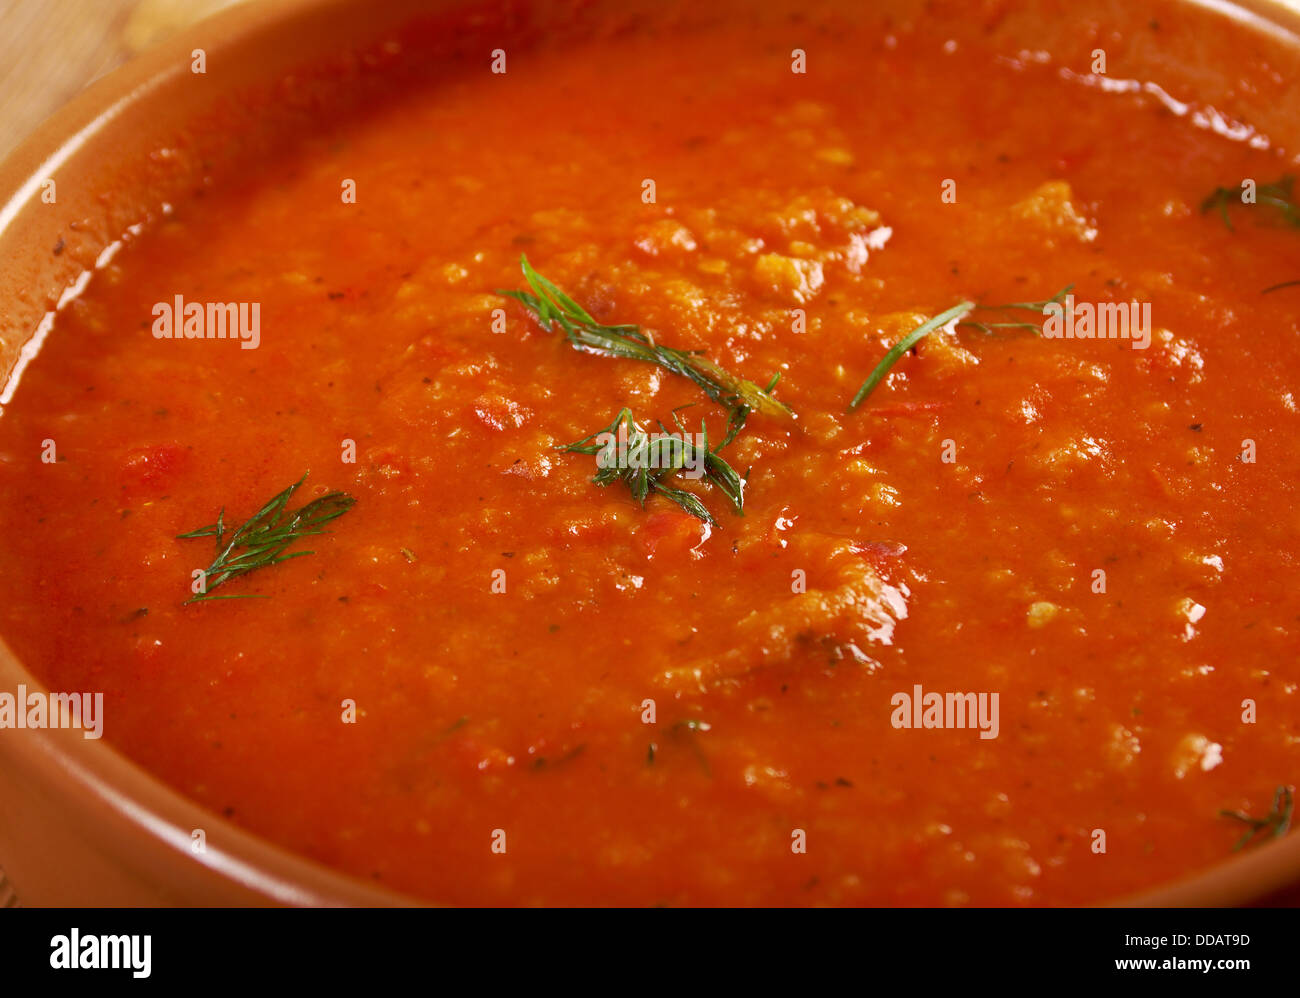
(494, 681)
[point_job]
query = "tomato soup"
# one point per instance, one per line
(1015, 629)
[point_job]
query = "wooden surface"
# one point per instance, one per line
(50, 49)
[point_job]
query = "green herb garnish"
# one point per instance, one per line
(906, 344)
(1024, 306)
(1273, 825)
(957, 312)
(264, 537)
(1278, 195)
(671, 452)
(1278, 287)
(459, 723)
(552, 308)
(659, 458)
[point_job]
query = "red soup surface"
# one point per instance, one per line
(494, 681)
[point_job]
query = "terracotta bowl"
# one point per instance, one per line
(79, 823)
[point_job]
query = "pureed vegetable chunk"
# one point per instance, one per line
(559, 695)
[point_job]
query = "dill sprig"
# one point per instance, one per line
(1277, 195)
(957, 314)
(264, 537)
(1024, 306)
(1273, 825)
(552, 308)
(905, 344)
(671, 452)
(658, 459)
(1278, 287)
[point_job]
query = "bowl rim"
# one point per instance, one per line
(93, 771)
(96, 771)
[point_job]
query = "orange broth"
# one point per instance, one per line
(524, 710)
